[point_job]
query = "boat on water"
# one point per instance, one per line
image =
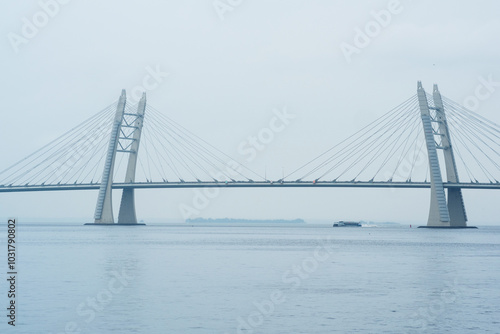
(346, 223)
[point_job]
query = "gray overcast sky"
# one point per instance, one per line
(228, 68)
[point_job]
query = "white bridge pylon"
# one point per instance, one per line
(125, 138)
(442, 213)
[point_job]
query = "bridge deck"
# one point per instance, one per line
(246, 184)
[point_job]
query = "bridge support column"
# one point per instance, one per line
(104, 208)
(127, 215)
(438, 214)
(456, 207)
(449, 214)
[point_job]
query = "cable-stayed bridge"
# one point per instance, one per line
(425, 142)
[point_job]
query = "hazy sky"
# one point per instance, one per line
(222, 67)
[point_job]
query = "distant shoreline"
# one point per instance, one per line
(241, 220)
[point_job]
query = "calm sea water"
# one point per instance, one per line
(255, 279)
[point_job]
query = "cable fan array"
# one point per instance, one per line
(390, 149)
(75, 157)
(171, 153)
(168, 152)
(476, 143)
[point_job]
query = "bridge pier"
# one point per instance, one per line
(442, 213)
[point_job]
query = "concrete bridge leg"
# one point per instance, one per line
(127, 215)
(456, 207)
(438, 213)
(104, 208)
(442, 213)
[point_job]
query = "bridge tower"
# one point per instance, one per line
(104, 208)
(442, 213)
(126, 215)
(122, 141)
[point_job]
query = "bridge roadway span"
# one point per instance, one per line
(248, 184)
